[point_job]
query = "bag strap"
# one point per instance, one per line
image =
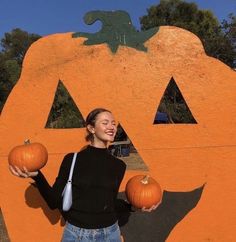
(72, 167)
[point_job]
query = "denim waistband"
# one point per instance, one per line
(110, 233)
(76, 229)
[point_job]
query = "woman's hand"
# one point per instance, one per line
(151, 208)
(16, 171)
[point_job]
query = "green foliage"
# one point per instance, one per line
(14, 46)
(228, 42)
(16, 43)
(173, 103)
(64, 112)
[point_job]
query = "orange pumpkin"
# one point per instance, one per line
(143, 191)
(33, 156)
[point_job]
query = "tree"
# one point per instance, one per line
(16, 43)
(215, 36)
(14, 46)
(64, 112)
(229, 29)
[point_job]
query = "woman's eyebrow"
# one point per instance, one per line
(107, 120)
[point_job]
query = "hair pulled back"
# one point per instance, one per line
(91, 119)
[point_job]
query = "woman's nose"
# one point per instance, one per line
(111, 126)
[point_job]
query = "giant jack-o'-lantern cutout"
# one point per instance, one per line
(127, 76)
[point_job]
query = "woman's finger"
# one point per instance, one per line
(26, 171)
(20, 172)
(30, 173)
(13, 171)
(153, 207)
(146, 209)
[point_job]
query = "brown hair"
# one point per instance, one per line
(91, 119)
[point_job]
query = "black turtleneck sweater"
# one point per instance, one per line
(95, 183)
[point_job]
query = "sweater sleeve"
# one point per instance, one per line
(52, 194)
(121, 205)
(121, 176)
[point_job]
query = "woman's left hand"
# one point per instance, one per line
(151, 208)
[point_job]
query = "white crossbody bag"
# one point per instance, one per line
(67, 191)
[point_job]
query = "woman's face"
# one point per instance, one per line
(105, 128)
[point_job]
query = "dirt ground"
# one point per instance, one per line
(134, 162)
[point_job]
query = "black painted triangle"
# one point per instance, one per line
(3, 229)
(64, 112)
(173, 107)
(123, 148)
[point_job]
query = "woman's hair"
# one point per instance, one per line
(91, 119)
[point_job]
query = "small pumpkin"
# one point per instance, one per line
(33, 156)
(143, 191)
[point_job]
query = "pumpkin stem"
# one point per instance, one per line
(117, 29)
(27, 142)
(145, 179)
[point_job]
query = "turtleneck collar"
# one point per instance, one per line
(93, 148)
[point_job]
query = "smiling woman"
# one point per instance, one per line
(96, 178)
(101, 127)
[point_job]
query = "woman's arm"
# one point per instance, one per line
(51, 194)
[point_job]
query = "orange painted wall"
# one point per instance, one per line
(181, 157)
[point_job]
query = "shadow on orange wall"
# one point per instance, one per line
(34, 200)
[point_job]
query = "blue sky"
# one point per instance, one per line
(54, 16)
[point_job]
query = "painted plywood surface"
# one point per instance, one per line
(130, 83)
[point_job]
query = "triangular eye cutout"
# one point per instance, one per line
(173, 108)
(123, 148)
(64, 112)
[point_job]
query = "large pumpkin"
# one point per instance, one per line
(130, 80)
(143, 191)
(33, 156)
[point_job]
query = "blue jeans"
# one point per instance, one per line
(75, 234)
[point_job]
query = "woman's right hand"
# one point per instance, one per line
(16, 171)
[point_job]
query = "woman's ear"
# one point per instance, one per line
(91, 129)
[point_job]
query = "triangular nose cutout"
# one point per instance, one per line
(64, 112)
(123, 148)
(173, 108)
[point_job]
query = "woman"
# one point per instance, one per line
(96, 179)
